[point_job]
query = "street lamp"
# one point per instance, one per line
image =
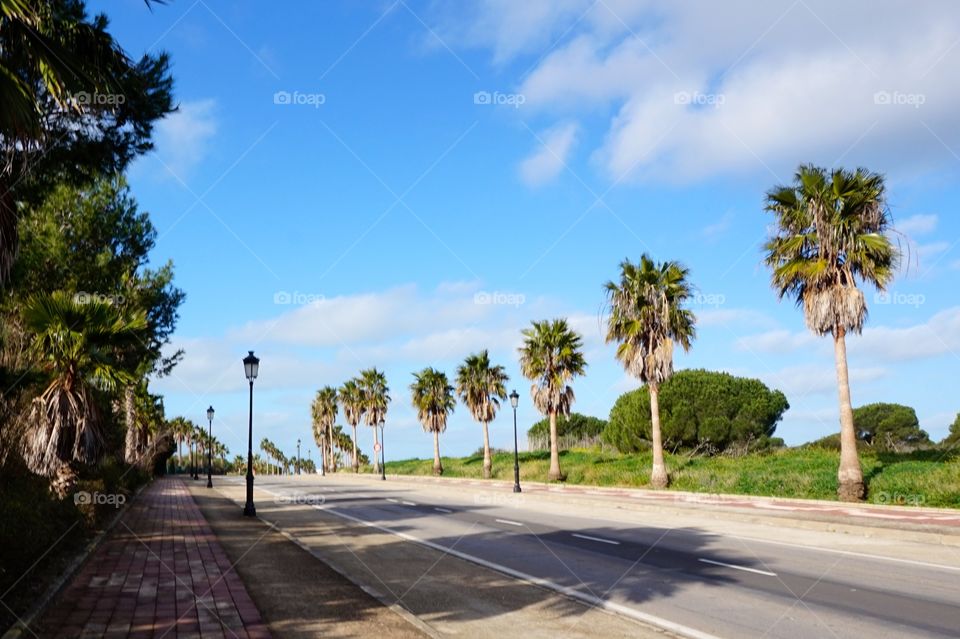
(514, 401)
(251, 366)
(193, 458)
(209, 447)
(383, 458)
(298, 456)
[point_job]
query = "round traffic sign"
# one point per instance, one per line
(376, 447)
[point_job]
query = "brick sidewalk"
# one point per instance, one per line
(159, 573)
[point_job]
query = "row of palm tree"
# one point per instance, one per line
(831, 233)
(363, 399)
(198, 441)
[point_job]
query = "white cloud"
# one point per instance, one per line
(183, 137)
(550, 156)
(778, 342)
(917, 224)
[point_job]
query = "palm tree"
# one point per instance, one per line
(481, 387)
(375, 400)
(324, 411)
(180, 428)
(551, 356)
(433, 398)
(646, 319)
(75, 344)
(831, 231)
(352, 402)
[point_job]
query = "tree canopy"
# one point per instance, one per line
(889, 426)
(698, 407)
(574, 425)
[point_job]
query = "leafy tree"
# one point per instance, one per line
(376, 398)
(952, 440)
(352, 403)
(482, 386)
(324, 411)
(646, 319)
(831, 233)
(698, 408)
(889, 426)
(74, 343)
(552, 355)
(574, 425)
(433, 398)
(72, 104)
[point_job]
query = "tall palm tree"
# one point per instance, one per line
(551, 355)
(433, 398)
(482, 387)
(831, 232)
(75, 344)
(180, 428)
(325, 415)
(376, 398)
(352, 403)
(647, 318)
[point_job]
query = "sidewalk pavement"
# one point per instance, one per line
(160, 573)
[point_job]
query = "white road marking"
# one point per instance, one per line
(735, 567)
(408, 503)
(602, 541)
(442, 510)
(392, 500)
(507, 521)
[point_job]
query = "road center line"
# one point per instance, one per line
(602, 541)
(743, 568)
(392, 500)
(442, 510)
(408, 503)
(507, 521)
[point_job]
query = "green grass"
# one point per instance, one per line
(928, 478)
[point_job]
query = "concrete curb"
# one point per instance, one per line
(17, 629)
(823, 522)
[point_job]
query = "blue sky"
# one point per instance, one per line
(398, 184)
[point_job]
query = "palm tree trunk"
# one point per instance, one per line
(554, 474)
(487, 462)
(129, 418)
(179, 453)
(376, 455)
(333, 463)
(850, 475)
(658, 475)
(356, 459)
(437, 466)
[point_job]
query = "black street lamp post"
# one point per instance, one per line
(193, 457)
(251, 366)
(210, 447)
(514, 401)
(298, 456)
(383, 456)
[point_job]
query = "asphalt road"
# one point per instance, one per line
(689, 579)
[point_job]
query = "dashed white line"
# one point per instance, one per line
(442, 510)
(395, 501)
(602, 541)
(507, 521)
(735, 567)
(408, 503)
